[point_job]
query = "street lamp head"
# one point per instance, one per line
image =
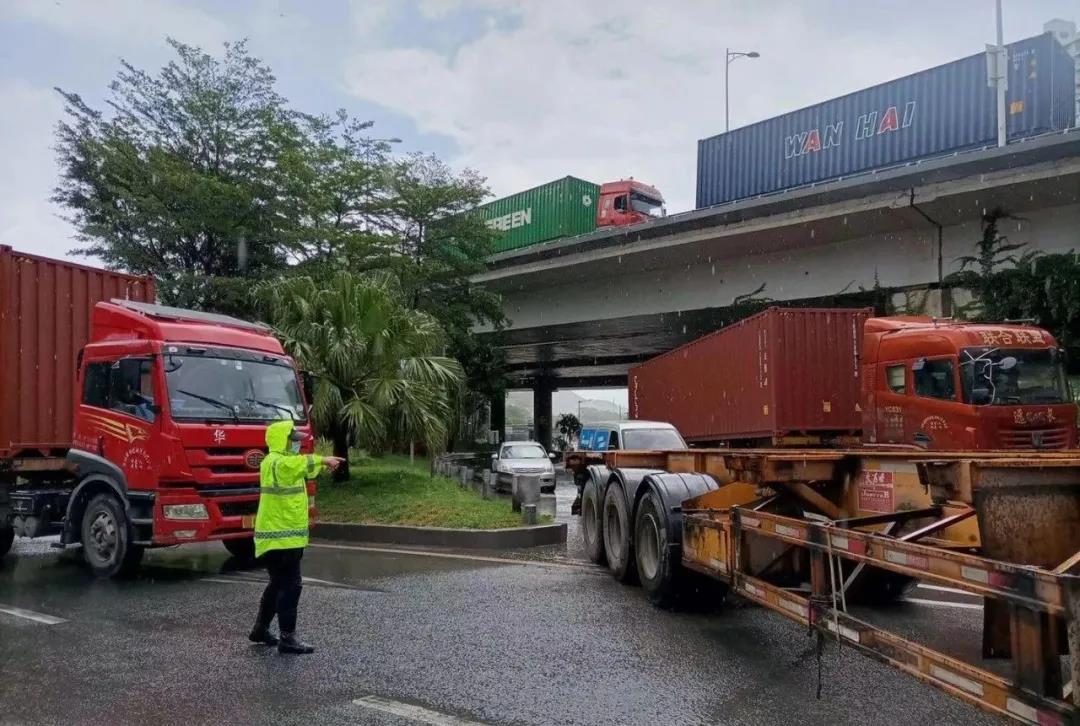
(753, 54)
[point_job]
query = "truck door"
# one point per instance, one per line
(118, 416)
(891, 401)
(930, 412)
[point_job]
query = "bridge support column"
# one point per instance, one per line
(498, 417)
(542, 390)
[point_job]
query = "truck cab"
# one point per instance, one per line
(940, 384)
(169, 431)
(628, 202)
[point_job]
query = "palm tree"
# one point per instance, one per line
(378, 378)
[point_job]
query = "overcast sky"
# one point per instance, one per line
(524, 92)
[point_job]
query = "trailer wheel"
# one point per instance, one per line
(661, 578)
(106, 538)
(591, 523)
(7, 536)
(242, 549)
(617, 535)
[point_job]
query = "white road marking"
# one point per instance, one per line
(942, 588)
(452, 556)
(31, 615)
(944, 604)
(411, 712)
(230, 580)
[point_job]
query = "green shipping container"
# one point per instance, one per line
(562, 208)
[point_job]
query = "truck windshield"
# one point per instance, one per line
(205, 387)
(1003, 377)
(645, 204)
(662, 439)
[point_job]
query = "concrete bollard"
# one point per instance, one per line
(528, 514)
(486, 484)
(546, 505)
(515, 502)
(529, 489)
(466, 476)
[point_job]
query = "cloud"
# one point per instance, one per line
(28, 221)
(605, 91)
(124, 22)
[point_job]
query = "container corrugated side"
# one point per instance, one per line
(562, 208)
(45, 311)
(934, 112)
(777, 373)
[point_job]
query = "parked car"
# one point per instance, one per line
(523, 457)
(639, 435)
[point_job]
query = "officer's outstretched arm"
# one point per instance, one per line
(300, 466)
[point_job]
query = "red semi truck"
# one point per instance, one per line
(809, 377)
(127, 424)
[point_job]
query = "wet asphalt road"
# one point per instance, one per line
(535, 641)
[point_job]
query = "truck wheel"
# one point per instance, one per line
(241, 549)
(617, 541)
(106, 538)
(661, 577)
(591, 527)
(7, 536)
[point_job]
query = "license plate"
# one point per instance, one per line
(248, 521)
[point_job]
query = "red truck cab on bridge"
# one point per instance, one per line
(626, 202)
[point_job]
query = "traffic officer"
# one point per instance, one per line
(281, 532)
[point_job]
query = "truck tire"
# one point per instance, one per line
(658, 555)
(662, 579)
(106, 538)
(618, 543)
(7, 536)
(591, 523)
(242, 549)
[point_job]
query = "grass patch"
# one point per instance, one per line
(390, 490)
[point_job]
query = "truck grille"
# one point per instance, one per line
(1047, 438)
(224, 465)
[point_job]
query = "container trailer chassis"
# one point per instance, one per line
(728, 535)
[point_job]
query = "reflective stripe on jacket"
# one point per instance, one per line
(282, 521)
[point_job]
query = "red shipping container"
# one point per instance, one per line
(45, 311)
(785, 373)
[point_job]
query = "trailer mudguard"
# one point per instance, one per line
(630, 482)
(673, 490)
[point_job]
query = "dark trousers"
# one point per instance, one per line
(282, 594)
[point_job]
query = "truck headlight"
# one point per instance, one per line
(185, 511)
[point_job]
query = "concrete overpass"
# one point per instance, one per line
(585, 309)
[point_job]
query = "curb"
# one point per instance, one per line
(487, 539)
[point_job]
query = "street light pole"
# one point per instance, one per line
(730, 56)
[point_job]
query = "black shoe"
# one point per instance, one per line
(262, 636)
(290, 644)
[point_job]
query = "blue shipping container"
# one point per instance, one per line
(937, 111)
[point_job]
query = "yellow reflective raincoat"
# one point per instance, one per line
(282, 521)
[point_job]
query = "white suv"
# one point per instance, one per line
(523, 457)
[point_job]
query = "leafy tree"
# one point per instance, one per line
(568, 427)
(379, 378)
(176, 179)
(437, 247)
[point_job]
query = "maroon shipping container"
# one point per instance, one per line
(783, 373)
(45, 310)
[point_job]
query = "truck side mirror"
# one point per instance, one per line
(307, 378)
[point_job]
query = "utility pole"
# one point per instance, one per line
(997, 76)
